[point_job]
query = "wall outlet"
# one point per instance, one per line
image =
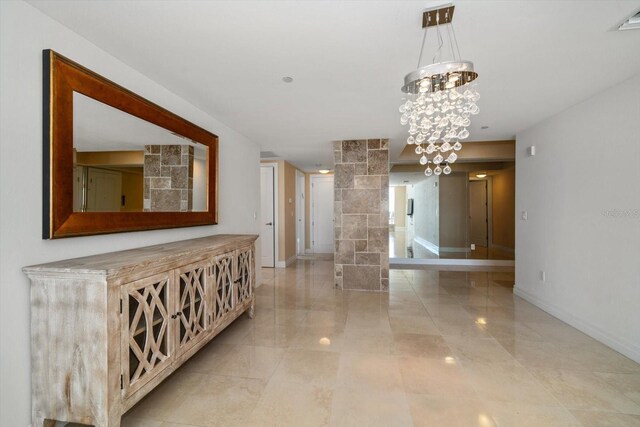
(543, 276)
(531, 151)
(524, 215)
(473, 246)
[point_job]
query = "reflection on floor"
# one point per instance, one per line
(482, 252)
(399, 247)
(440, 349)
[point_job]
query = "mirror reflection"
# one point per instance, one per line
(124, 164)
(469, 214)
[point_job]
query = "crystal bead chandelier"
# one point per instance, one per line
(440, 100)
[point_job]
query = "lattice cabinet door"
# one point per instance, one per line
(191, 310)
(147, 336)
(244, 270)
(223, 300)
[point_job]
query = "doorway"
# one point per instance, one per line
(322, 234)
(104, 190)
(300, 214)
(478, 214)
(267, 211)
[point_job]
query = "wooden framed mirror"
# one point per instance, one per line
(115, 162)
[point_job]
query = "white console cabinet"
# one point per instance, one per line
(107, 329)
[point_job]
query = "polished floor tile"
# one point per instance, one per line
(442, 348)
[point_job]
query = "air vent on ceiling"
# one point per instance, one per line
(267, 154)
(633, 23)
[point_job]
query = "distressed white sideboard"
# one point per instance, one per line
(107, 329)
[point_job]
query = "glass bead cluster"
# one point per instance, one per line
(438, 121)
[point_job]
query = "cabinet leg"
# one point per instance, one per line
(252, 311)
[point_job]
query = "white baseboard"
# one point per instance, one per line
(427, 245)
(287, 263)
(453, 250)
(451, 264)
(629, 349)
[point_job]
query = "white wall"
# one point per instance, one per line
(24, 33)
(453, 213)
(582, 194)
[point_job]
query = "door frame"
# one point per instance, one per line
(312, 179)
(300, 212)
(274, 167)
(489, 211)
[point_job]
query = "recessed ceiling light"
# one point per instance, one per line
(324, 171)
(481, 175)
(287, 79)
(484, 127)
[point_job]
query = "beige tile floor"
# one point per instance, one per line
(440, 349)
(398, 248)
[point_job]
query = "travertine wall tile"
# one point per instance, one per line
(345, 252)
(374, 220)
(365, 181)
(373, 144)
(378, 239)
(368, 258)
(361, 201)
(361, 214)
(354, 151)
(354, 226)
(365, 277)
(343, 176)
(361, 245)
(378, 162)
(168, 178)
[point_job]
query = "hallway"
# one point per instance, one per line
(441, 349)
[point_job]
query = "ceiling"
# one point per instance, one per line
(100, 127)
(348, 60)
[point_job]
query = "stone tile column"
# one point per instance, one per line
(168, 178)
(361, 214)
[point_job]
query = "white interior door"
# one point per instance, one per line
(300, 207)
(267, 228)
(478, 212)
(322, 214)
(78, 189)
(104, 190)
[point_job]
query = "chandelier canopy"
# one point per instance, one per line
(440, 100)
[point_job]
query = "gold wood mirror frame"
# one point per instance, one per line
(61, 78)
